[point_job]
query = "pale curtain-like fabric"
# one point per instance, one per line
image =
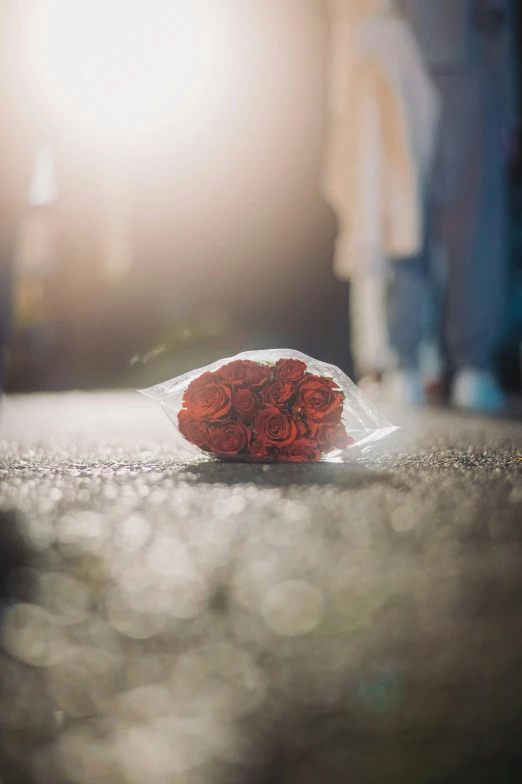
(383, 115)
(382, 126)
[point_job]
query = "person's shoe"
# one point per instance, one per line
(434, 391)
(404, 388)
(431, 365)
(477, 390)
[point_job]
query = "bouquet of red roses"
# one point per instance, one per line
(270, 413)
(270, 407)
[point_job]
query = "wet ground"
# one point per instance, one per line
(226, 623)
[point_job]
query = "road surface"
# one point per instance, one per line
(227, 623)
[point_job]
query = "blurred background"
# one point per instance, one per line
(181, 180)
(172, 214)
(160, 194)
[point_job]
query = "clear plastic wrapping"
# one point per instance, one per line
(275, 406)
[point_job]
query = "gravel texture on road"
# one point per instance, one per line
(211, 623)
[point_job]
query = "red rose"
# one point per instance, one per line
(275, 428)
(317, 397)
(289, 369)
(206, 397)
(259, 450)
(228, 438)
(304, 450)
(243, 372)
(245, 403)
(277, 393)
(194, 430)
(331, 434)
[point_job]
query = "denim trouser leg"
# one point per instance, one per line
(469, 212)
(406, 315)
(466, 212)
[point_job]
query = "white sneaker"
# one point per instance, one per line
(404, 388)
(477, 390)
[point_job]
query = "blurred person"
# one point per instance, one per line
(467, 48)
(382, 125)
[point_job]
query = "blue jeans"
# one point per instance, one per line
(466, 213)
(414, 304)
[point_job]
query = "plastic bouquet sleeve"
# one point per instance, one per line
(276, 406)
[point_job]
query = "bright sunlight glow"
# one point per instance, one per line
(120, 69)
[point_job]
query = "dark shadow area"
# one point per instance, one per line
(355, 750)
(345, 476)
(498, 768)
(14, 553)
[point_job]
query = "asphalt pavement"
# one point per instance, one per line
(204, 623)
